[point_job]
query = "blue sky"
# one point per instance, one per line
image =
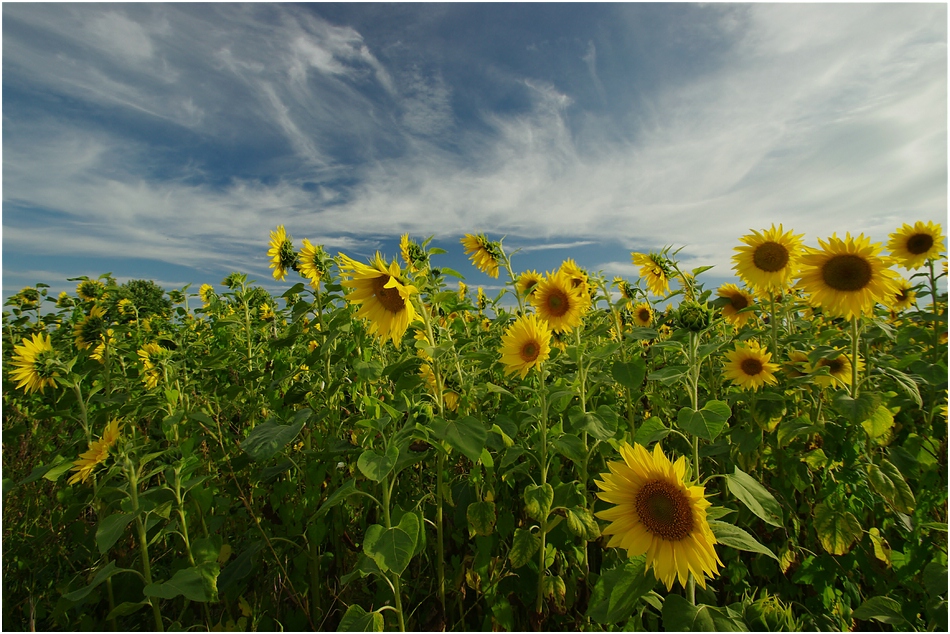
(165, 141)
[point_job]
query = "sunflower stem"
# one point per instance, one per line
(544, 477)
(855, 340)
(774, 323)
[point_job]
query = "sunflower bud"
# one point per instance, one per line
(694, 316)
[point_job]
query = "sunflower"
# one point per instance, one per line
(96, 454)
(527, 282)
(839, 371)
(64, 300)
(655, 269)
(913, 246)
(126, 307)
(265, 312)
(312, 262)
(658, 514)
(642, 314)
(149, 355)
(88, 333)
(484, 253)
(797, 365)
(627, 290)
(481, 300)
(463, 291)
(99, 353)
(35, 363)
(749, 367)
(525, 345)
(769, 259)
(904, 297)
(738, 299)
(281, 253)
(412, 254)
(90, 290)
(847, 277)
(577, 275)
(381, 294)
(206, 294)
(558, 302)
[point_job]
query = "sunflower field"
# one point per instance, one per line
(382, 448)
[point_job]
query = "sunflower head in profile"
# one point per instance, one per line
(525, 345)
(913, 246)
(904, 297)
(750, 367)
(412, 253)
(481, 299)
(484, 254)
(96, 455)
(797, 365)
(642, 314)
(90, 290)
(35, 363)
(88, 333)
(738, 299)
(381, 294)
(463, 291)
(847, 277)
(627, 290)
(559, 302)
(281, 253)
(839, 371)
(313, 263)
(206, 294)
(64, 300)
(576, 274)
(768, 259)
(150, 355)
(657, 513)
(656, 270)
(527, 282)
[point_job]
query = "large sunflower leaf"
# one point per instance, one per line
(377, 466)
(679, 615)
(708, 422)
(356, 619)
(481, 517)
(467, 435)
(523, 547)
(883, 609)
(618, 591)
(837, 528)
(755, 497)
(735, 537)
(390, 548)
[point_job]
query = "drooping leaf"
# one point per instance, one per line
(708, 422)
(650, 431)
(887, 481)
(629, 374)
(110, 529)
(679, 615)
(523, 547)
(390, 548)
(883, 609)
(538, 500)
(198, 583)
(467, 435)
(106, 572)
(269, 437)
(881, 548)
(856, 410)
(878, 426)
(618, 591)
(837, 528)
(735, 537)
(755, 497)
(571, 447)
(582, 523)
(356, 619)
(481, 517)
(377, 466)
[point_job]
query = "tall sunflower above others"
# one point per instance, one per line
(847, 277)
(913, 246)
(656, 270)
(658, 514)
(381, 294)
(769, 258)
(281, 253)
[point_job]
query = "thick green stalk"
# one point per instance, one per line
(855, 339)
(397, 590)
(694, 367)
(143, 541)
(544, 478)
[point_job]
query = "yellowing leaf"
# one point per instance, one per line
(881, 548)
(837, 528)
(245, 607)
(878, 426)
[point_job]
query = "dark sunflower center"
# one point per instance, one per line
(530, 351)
(770, 257)
(738, 301)
(846, 272)
(920, 243)
(644, 315)
(665, 510)
(835, 366)
(558, 303)
(388, 297)
(902, 295)
(751, 367)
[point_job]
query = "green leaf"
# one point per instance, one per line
(599, 426)
(669, 374)
(377, 466)
(336, 497)
(882, 549)
(629, 374)
(651, 431)
(467, 435)
(837, 528)
(768, 409)
(356, 619)
(935, 579)
(755, 497)
(878, 426)
(196, 584)
(111, 529)
(788, 430)
(107, 571)
(735, 537)
(538, 500)
(582, 523)
(856, 410)
(888, 482)
(390, 548)
(679, 615)
(240, 567)
(523, 547)
(706, 423)
(368, 370)
(481, 517)
(126, 608)
(640, 332)
(618, 591)
(57, 470)
(883, 609)
(269, 437)
(571, 447)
